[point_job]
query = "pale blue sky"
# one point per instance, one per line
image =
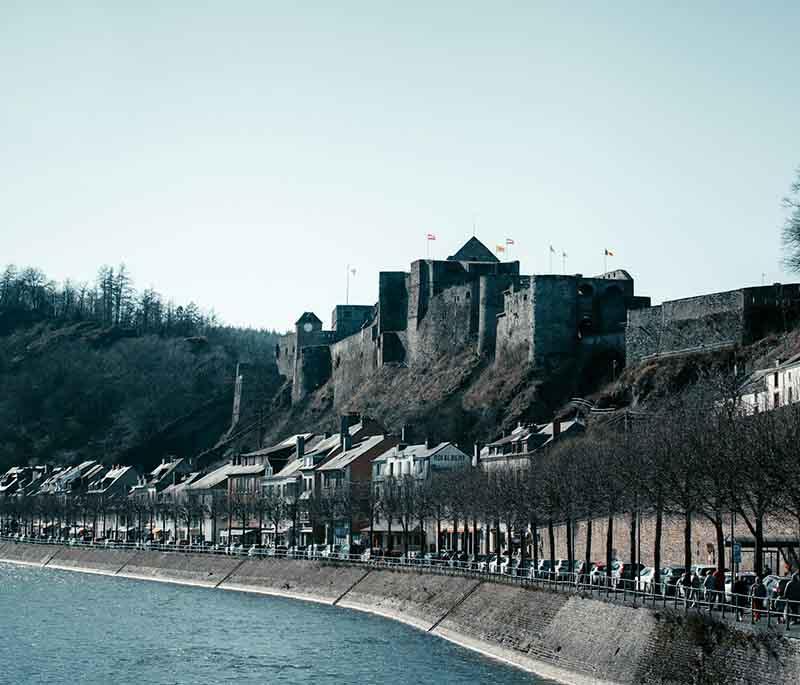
(242, 153)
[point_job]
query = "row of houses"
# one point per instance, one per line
(274, 495)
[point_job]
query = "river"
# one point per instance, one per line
(62, 627)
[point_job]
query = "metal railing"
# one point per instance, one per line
(766, 611)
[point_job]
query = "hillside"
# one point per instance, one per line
(75, 391)
(101, 371)
(459, 396)
(650, 381)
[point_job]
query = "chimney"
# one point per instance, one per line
(476, 455)
(405, 433)
(347, 442)
(344, 429)
(429, 442)
(401, 446)
(777, 362)
(556, 428)
(301, 446)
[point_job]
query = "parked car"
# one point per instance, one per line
(644, 583)
(625, 575)
(747, 576)
(545, 570)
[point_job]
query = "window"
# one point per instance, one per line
(776, 400)
(790, 396)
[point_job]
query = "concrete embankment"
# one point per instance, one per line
(419, 599)
(567, 637)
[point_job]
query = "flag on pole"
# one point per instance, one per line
(499, 248)
(609, 253)
(509, 241)
(564, 255)
(552, 250)
(431, 236)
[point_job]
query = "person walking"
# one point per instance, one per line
(792, 596)
(697, 583)
(739, 591)
(719, 589)
(685, 585)
(709, 585)
(757, 593)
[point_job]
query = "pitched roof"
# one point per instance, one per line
(421, 451)
(343, 460)
(310, 442)
(212, 479)
(473, 251)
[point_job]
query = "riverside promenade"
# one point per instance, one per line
(558, 630)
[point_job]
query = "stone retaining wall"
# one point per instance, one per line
(189, 569)
(311, 580)
(421, 599)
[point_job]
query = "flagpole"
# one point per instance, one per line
(563, 263)
(347, 292)
(605, 261)
(551, 259)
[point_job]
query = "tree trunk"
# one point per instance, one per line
(551, 539)
(759, 550)
(632, 542)
(497, 548)
(720, 542)
(657, 545)
(609, 547)
(534, 544)
(687, 541)
(371, 528)
(570, 550)
(587, 561)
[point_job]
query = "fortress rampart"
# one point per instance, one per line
(441, 306)
(709, 322)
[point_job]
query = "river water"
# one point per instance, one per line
(62, 627)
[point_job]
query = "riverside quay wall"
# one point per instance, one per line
(565, 636)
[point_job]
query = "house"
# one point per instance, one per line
(343, 479)
(114, 483)
(72, 480)
(211, 491)
(21, 480)
(244, 479)
(420, 462)
(516, 448)
(354, 429)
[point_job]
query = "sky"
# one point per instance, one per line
(243, 154)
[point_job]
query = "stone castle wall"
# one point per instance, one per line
(353, 359)
(694, 324)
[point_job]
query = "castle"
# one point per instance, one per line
(441, 306)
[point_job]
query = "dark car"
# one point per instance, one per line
(670, 575)
(626, 574)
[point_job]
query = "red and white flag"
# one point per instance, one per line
(431, 236)
(509, 241)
